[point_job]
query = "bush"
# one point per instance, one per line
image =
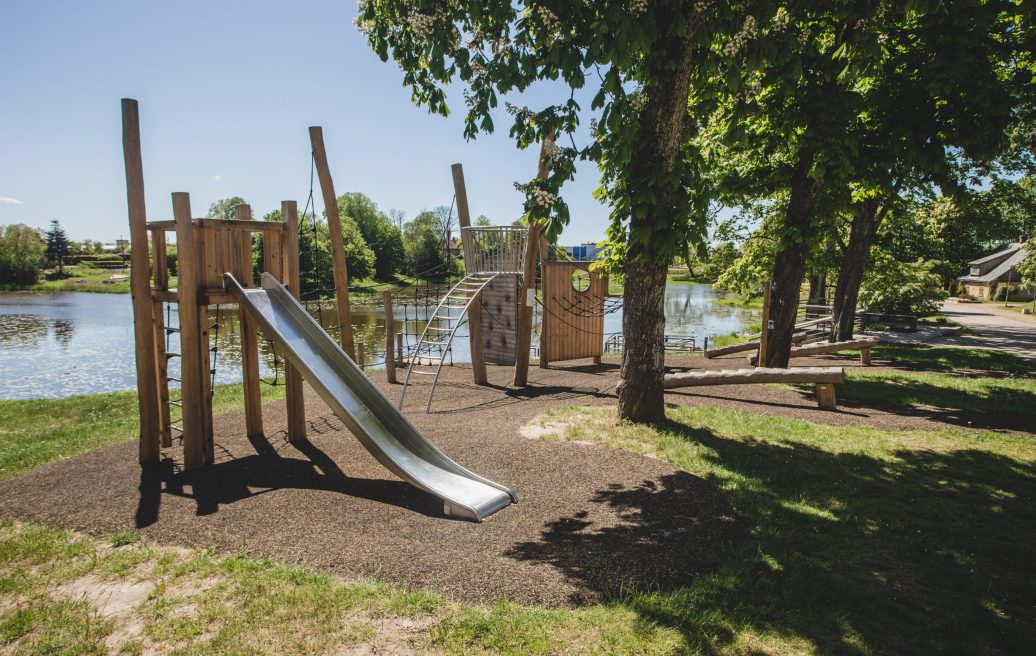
(894, 287)
(21, 250)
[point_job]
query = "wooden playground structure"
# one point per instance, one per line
(496, 298)
(206, 248)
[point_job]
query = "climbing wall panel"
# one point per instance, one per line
(500, 319)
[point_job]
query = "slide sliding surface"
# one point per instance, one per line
(363, 407)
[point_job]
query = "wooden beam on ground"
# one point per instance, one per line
(475, 339)
(148, 398)
(249, 338)
(334, 224)
(194, 346)
(797, 338)
(390, 338)
(759, 375)
(291, 279)
(823, 348)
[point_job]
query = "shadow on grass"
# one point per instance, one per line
(914, 552)
(992, 406)
(965, 361)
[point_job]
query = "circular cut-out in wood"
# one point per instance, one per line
(581, 280)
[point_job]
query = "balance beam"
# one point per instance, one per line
(825, 379)
(821, 348)
(797, 338)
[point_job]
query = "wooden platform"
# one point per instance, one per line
(825, 378)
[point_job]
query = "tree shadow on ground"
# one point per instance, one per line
(996, 407)
(916, 552)
(671, 529)
(962, 361)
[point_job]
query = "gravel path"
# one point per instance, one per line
(590, 522)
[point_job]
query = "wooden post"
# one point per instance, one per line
(390, 332)
(194, 348)
(249, 338)
(865, 357)
(544, 356)
(527, 299)
(334, 224)
(764, 333)
(399, 349)
(826, 396)
(143, 323)
(290, 275)
(361, 356)
(478, 345)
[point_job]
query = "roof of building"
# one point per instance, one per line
(998, 253)
(1001, 269)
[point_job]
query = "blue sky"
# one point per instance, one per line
(227, 89)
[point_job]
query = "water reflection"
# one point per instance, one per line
(70, 343)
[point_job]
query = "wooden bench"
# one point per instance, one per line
(822, 348)
(824, 378)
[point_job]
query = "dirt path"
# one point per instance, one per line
(992, 330)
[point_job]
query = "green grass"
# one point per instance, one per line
(53, 585)
(38, 431)
(859, 540)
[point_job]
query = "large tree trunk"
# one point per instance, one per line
(866, 219)
(656, 153)
(817, 288)
(789, 266)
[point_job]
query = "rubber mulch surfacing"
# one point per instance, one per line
(591, 522)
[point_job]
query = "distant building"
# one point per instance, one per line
(585, 251)
(1000, 266)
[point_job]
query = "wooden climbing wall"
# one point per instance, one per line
(500, 319)
(573, 319)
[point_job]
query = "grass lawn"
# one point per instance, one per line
(856, 540)
(38, 431)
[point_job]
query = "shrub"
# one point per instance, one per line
(895, 287)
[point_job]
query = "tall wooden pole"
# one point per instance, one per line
(764, 334)
(143, 320)
(390, 337)
(544, 336)
(334, 224)
(478, 345)
(249, 339)
(290, 263)
(527, 299)
(194, 345)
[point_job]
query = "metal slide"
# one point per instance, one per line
(363, 407)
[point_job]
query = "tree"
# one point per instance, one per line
(21, 250)
(377, 230)
(315, 261)
(224, 208)
(423, 242)
(58, 245)
(636, 59)
(931, 121)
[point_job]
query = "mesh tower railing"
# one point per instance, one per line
(494, 249)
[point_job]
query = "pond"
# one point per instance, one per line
(70, 343)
